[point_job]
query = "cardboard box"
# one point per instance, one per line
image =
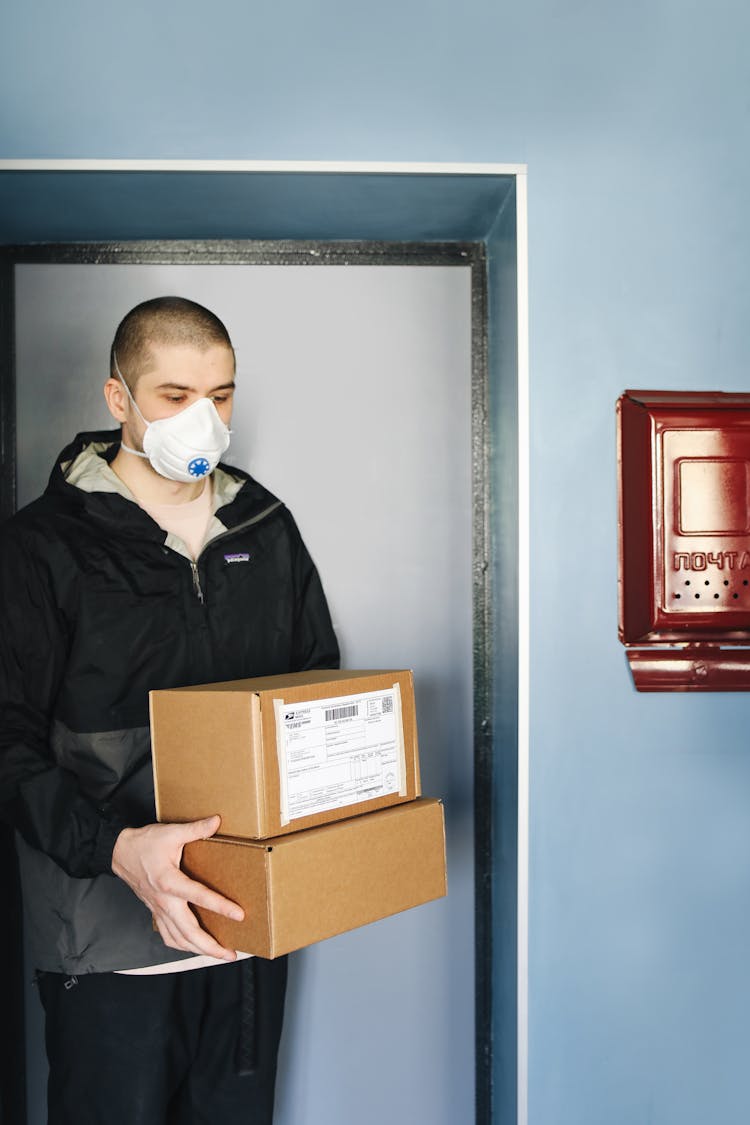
(284, 753)
(307, 886)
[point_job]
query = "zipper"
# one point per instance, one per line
(241, 526)
(197, 588)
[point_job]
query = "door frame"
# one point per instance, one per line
(500, 444)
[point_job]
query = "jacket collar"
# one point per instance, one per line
(83, 473)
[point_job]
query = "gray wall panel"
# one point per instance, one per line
(354, 406)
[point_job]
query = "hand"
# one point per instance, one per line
(148, 860)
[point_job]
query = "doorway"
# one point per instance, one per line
(433, 204)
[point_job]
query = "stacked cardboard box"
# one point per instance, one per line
(316, 778)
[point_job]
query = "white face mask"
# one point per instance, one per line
(186, 446)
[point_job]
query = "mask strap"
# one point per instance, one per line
(127, 389)
(127, 448)
(137, 452)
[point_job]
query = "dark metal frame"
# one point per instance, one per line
(313, 253)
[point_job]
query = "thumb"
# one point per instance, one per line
(201, 829)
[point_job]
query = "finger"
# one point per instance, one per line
(192, 891)
(203, 943)
(185, 933)
(199, 829)
(170, 935)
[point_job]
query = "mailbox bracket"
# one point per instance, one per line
(694, 667)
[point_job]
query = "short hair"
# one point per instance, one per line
(162, 320)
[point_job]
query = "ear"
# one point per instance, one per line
(117, 400)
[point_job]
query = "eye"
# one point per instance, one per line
(175, 398)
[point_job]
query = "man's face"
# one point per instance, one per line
(177, 377)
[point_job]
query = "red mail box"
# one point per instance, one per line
(684, 507)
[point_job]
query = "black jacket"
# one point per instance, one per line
(99, 606)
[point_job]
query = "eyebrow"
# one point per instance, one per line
(185, 387)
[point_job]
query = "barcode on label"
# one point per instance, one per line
(387, 704)
(347, 712)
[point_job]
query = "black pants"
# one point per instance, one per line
(190, 1048)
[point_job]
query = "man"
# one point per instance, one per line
(146, 564)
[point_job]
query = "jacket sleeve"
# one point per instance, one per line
(38, 798)
(314, 643)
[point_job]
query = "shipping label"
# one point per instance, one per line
(340, 751)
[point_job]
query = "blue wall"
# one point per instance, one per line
(633, 119)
